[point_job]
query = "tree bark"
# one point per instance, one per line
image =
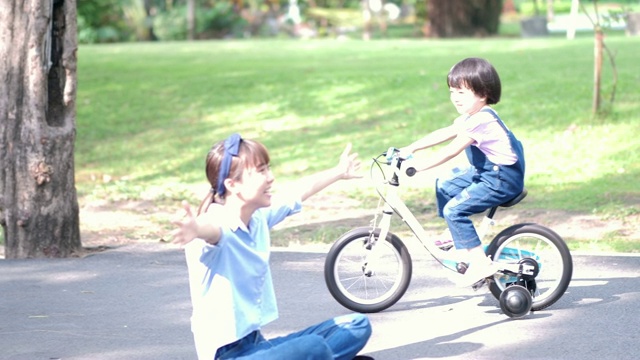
(191, 19)
(38, 202)
(458, 18)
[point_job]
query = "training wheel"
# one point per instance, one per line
(516, 301)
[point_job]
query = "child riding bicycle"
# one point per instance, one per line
(496, 156)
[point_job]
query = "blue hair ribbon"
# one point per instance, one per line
(231, 148)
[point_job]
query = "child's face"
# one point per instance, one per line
(465, 100)
(255, 186)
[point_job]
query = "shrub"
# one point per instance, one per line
(86, 33)
(171, 25)
(219, 21)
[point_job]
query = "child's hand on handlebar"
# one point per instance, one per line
(408, 166)
(405, 153)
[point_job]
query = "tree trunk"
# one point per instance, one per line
(550, 12)
(457, 18)
(191, 19)
(367, 18)
(633, 24)
(38, 202)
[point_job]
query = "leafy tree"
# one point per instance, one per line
(100, 21)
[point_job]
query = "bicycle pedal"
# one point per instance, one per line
(479, 284)
(462, 267)
(445, 247)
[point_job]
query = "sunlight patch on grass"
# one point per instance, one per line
(148, 113)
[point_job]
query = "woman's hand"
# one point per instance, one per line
(349, 164)
(347, 168)
(186, 228)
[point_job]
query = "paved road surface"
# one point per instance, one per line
(133, 303)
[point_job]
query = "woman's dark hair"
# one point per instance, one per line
(250, 153)
(479, 76)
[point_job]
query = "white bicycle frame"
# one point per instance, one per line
(393, 203)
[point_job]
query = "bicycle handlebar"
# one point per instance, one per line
(392, 153)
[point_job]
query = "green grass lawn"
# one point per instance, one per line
(147, 113)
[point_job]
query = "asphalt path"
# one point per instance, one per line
(133, 303)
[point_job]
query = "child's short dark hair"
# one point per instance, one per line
(479, 76)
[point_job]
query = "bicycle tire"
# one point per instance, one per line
(360, 291)
(547, 248)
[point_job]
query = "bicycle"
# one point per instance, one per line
(367, 275)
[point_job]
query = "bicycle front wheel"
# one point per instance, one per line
(367, 278)
(538, 243)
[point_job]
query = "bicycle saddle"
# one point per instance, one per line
(516, 199)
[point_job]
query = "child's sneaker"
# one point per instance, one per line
(477, 271)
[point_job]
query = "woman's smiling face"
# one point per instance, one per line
(255, 185)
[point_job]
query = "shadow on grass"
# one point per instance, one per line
(145, 126)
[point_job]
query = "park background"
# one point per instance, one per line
(150, 104)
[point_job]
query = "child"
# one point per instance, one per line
(497, 161)
(227, 252)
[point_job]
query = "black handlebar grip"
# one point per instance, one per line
(411, 171)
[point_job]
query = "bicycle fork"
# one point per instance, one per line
(372, 256)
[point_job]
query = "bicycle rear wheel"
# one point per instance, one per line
(367, 279)
(542, 245)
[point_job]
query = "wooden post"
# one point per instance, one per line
(191, 19)
(597, 71)
(573, 20)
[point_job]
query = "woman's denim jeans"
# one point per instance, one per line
(338, 338)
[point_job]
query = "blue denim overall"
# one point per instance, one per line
(478, 188)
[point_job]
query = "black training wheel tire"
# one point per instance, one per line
(516, 301)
